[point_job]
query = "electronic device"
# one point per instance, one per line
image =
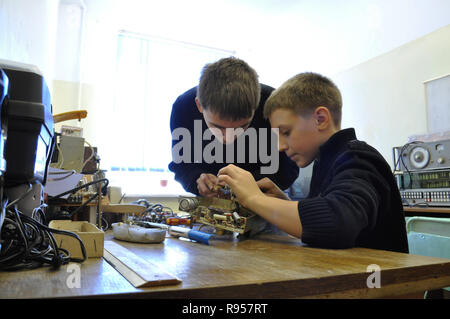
(418, 156)
(28, 132)
(29, 125)
(425, 197)
(3, 86)
(223, 214)
(422, 172)
(428, 188)
(69, 152)
(71, 155)
(4, 83)
(27, 128)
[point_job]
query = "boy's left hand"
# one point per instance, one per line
(241, 182)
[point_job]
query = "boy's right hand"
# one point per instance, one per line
(206, 183)
(269, 188)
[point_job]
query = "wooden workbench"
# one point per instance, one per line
(269, 266)
(427, 211)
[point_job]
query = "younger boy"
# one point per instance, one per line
(353, 199)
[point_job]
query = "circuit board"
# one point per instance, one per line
(222, 214)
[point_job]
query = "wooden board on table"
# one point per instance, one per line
(139, 272)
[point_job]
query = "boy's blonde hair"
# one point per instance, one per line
(303, 93)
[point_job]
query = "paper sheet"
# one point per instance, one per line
(60, 182)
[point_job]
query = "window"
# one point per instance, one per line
(150, 74)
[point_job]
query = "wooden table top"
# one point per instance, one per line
(267, 266)
(444, 211)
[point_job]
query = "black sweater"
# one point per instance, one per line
(353, 199)
(185, 112)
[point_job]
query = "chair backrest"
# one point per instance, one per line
(429, 236)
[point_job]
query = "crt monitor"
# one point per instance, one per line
(3, 100)
(28, 126)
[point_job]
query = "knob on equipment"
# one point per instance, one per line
(419, 157)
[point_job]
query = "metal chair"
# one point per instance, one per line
(429, 236)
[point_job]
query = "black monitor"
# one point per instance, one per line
(3, 100)
(28, 125)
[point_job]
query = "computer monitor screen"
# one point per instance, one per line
(4, 81)
(28, 125)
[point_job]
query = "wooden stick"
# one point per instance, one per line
(139, 272)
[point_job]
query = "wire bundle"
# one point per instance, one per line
(76, 189)
(156, 213)
(28, 244)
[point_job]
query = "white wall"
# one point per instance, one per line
(28, 33)
(68, 41)
(279, 39)
(384, 98)
(67, 78)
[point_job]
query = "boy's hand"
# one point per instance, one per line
(205, 185)
(242, 183)
(269, 188)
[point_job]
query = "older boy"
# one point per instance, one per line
(228, 99)
(353, 199)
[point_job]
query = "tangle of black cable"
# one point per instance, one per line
(28, 244)
(154, 212)
(76, 189)
(102, 180)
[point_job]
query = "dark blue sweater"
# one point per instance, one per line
(353, 199)
(185, 112)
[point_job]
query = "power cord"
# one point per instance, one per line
(76, 189)
(68, 174)
(25, 242)
(28, 244)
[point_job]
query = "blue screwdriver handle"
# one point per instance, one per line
(199, 236)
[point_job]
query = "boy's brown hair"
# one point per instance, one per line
(230, 88)
(303, 93)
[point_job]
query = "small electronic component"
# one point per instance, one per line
(80, 196)
(222, 214)
(175, 221)
(187, 204)
(223, 192)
